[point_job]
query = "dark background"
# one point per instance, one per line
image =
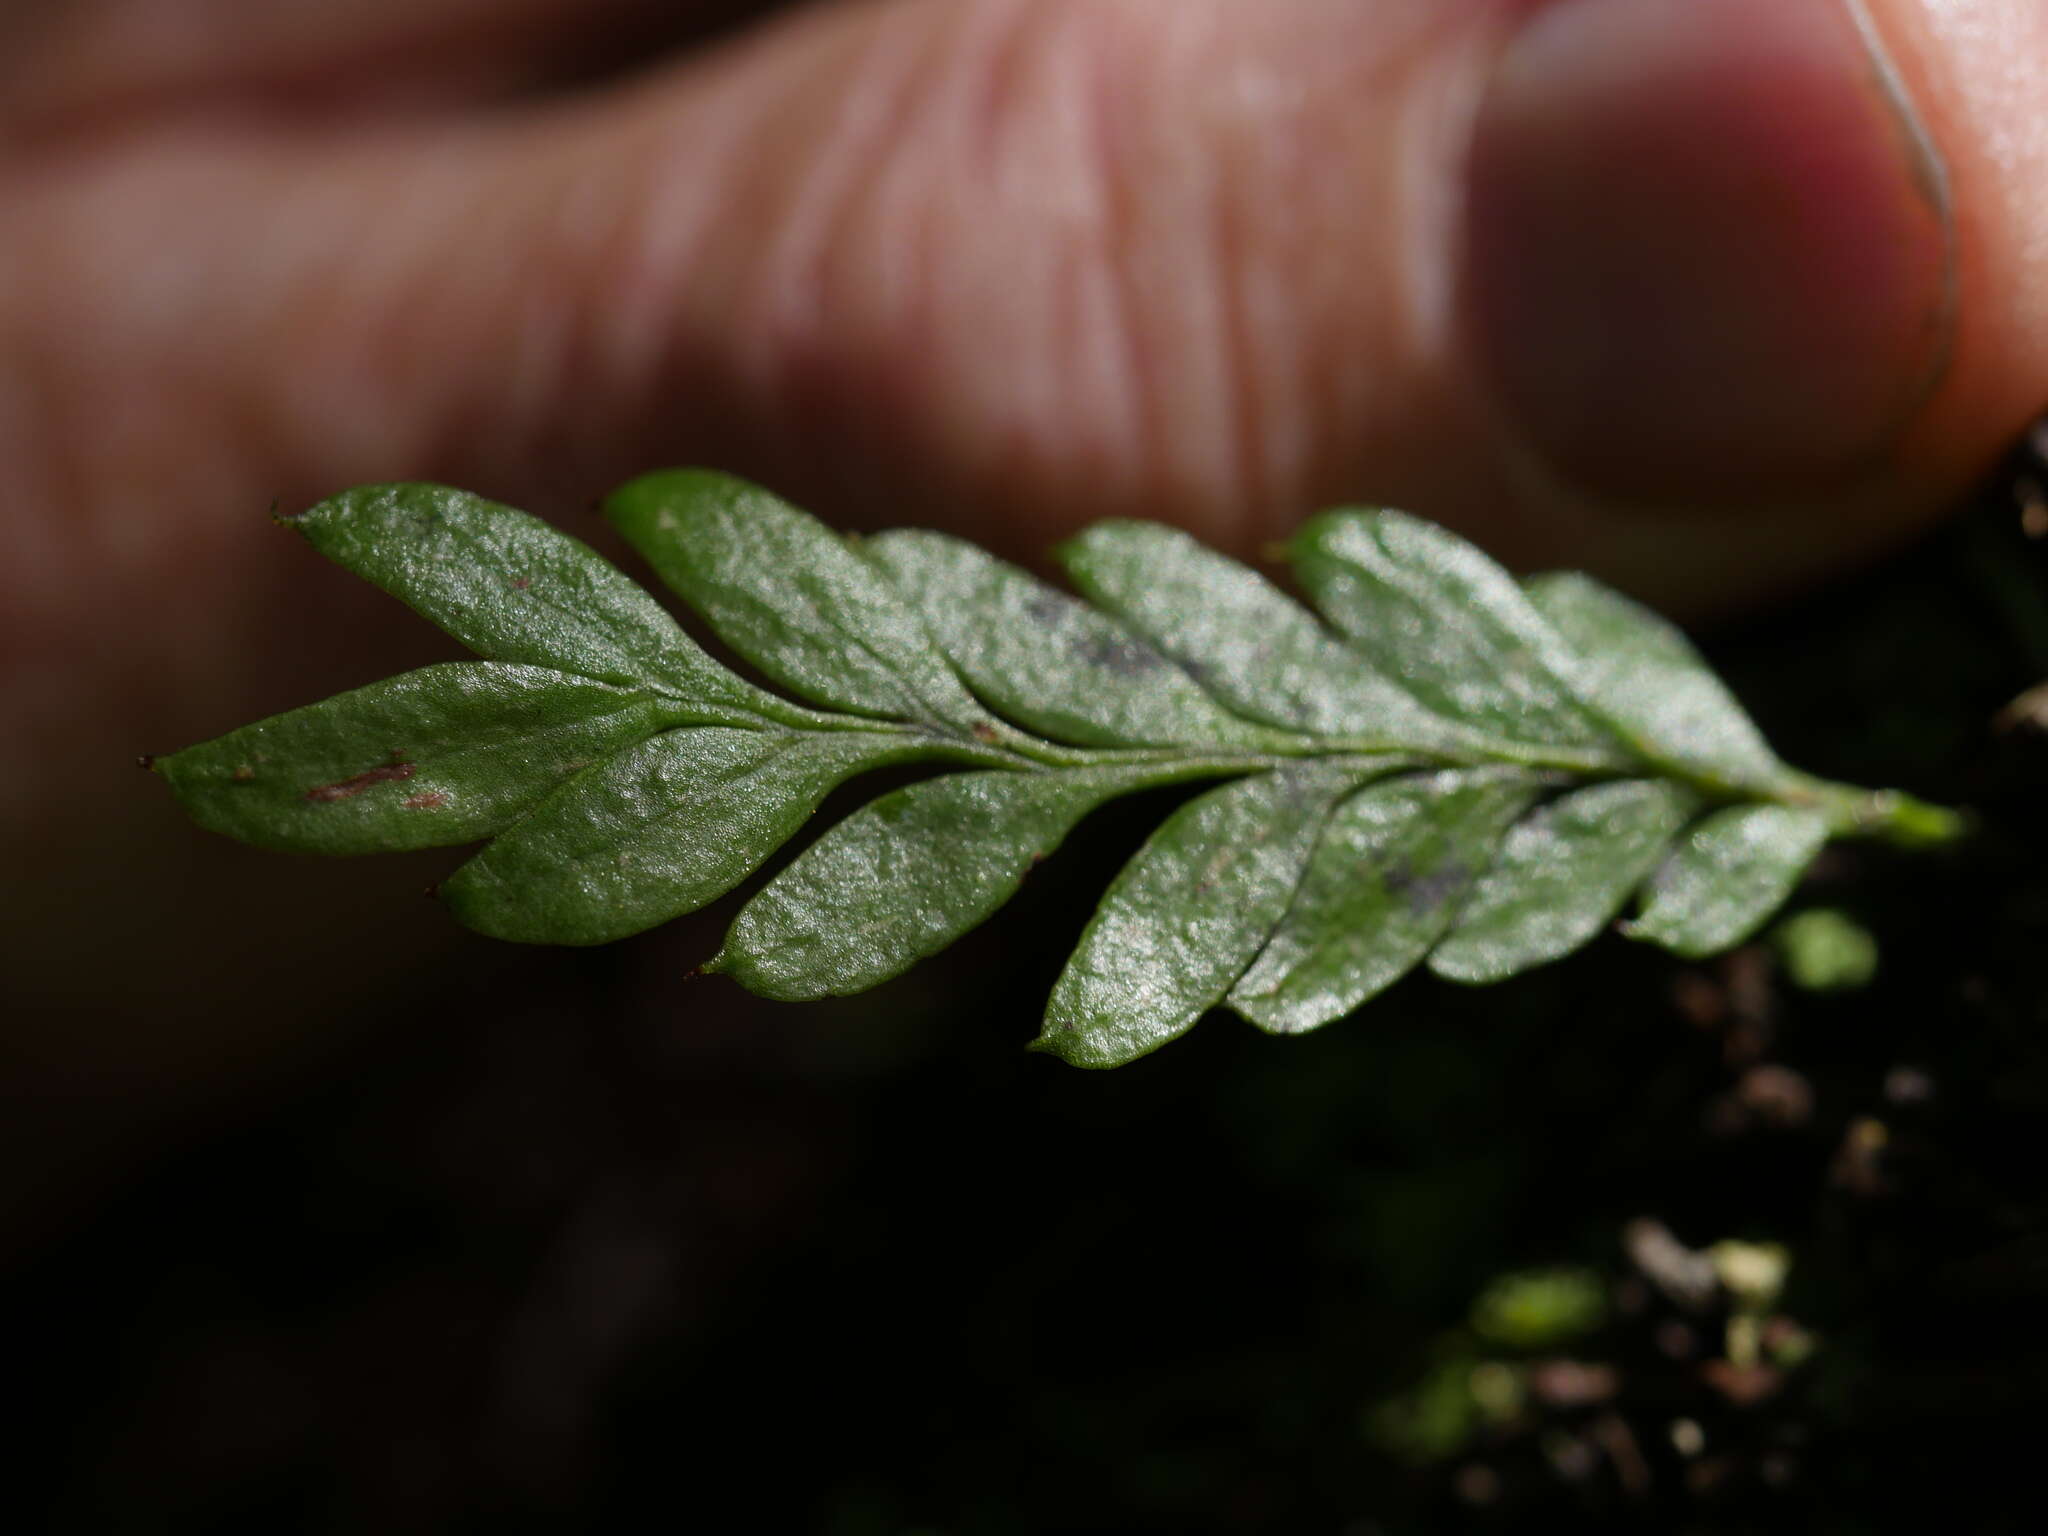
(570, 1240)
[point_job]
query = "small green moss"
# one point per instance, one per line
(1537, 1309)
(1825, 950)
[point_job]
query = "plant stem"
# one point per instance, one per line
(1889, 814)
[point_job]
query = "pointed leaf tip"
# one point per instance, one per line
(1562, 874)
(790, 595)
(514, 589)
(1186, 915)
(1642, 675)
(658, 830)
(1437, 612)
(445, 755)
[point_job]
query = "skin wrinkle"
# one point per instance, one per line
(905, 202)
(1087, 387)
(692, 153)
(1110, 160)
(1249, 401)
(964, 150)
(790, 304)
(68, 67)
(1189, 286)
(1083, 343)
(553, 334)
(1436, 125)
(667, 231)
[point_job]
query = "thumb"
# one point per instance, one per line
(1707, 294)
(1758, 285)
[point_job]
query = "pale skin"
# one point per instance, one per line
(1004, 265)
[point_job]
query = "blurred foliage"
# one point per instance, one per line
(1823, 950)
(1539, 1308)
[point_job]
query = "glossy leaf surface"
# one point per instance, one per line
(1563, 873)
(906, 875)
(1726, 875)
(1641, 673)
(1445, 768)
(1457, 630)
(511, 588)
(1186, 915)
(1387, 880)
(447, 754)
(787, 593)
(657, 831)
(1047, 660)
(1248, 642)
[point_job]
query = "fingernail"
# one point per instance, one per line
(1708, 244)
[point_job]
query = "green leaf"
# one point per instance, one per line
(1242, 638)
(788, 594)
(1386, 881)
(1644, 678)
(1186, 915)
(1048, 661)
(1434, 611)
(447, 754)
(1564, 871)
(511, 588)
(658, 831)
(905, 876)
(629, 778)
(1726, 876)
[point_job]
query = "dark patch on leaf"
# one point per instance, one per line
(1044, 608)
(1424, 893)
(348, 788)
(1120, 656)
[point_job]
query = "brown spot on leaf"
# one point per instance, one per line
(983, 731)
(243, 774)
(521, 583)
(346, 789)
(426, 800)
